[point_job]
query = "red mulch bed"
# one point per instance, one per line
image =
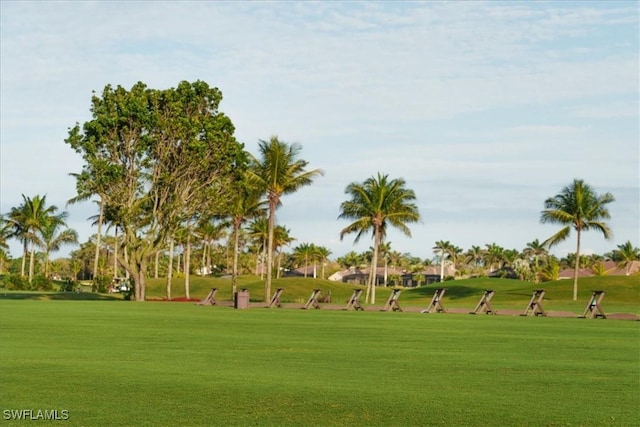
(182, 299)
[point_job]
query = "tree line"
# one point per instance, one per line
(169, 176)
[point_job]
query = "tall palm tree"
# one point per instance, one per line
(277, 172)
(376, 204)
(245, 205)
(281, 238)
(444, 248)
(87, 186)
(322, 254)
(351, 259)
(385, 254)
(53, 236)
(474, 256)
(535, 250)
(302, 253)
(29, 219)
(494, 256)
(577, 206)
(258, 231)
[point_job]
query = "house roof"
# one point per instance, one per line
(611, 268)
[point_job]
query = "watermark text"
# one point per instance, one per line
(36, 414)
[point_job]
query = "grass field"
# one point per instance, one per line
(115, 363)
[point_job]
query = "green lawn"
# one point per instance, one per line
(117, 363)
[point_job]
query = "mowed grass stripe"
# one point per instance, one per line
(118, 363)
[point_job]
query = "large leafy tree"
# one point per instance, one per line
(374, 205)
(580, 208)
(276, 171)
(157, 158)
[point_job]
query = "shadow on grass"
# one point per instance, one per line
(57, 296)
(457, 292)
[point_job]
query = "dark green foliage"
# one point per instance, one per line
(100, 284)
(41, 283)
(156, 158)
(14, 282)
(68, 285)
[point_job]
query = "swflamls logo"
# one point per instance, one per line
(36, 414)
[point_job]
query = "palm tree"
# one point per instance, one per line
(281, 238)
(535, 250)
(279, 171)
(258, 231)
(444, 248)
(322, 254)
(245, 205)
(625, 255)
(302, 253)
(494, 256)
(579, 207)
(385, 254)
(374, 205)
(351, 259)
(87, 185)
(474, 256)
(6, 233)
(29, 219)
(53, 236)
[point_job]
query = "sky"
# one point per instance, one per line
(485, 109)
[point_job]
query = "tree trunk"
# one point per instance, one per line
(25, 251)
(32, 262)
(272, 226)
(115, 253)
(187, 267)
(156, 261)
(374, 265)
(236, 248)
(203, 259)
(575, 271)
(170, 269)
(98, 240)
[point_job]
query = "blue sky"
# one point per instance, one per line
(484, 108)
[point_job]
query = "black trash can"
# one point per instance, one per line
(241, 300)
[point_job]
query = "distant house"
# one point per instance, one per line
(359, 276)
(610, 268)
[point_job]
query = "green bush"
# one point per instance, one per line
(41, 283)
(15, 282)
(68, 285)
(100, 284)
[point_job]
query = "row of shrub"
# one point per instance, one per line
(16, 282)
